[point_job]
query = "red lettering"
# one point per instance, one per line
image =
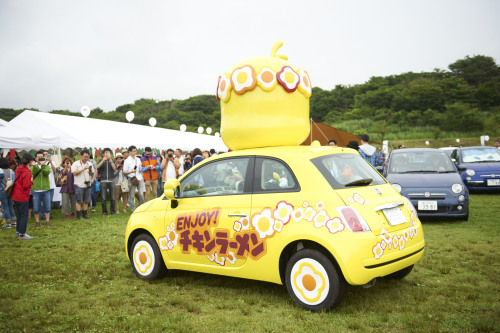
(185, 241)
(179, 222)
(203, 217)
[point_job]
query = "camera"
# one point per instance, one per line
(87, 183)
(170, 155)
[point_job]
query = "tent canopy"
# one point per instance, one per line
(78, 132)
(323, 133)
(14, 137)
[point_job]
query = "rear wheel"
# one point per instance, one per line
(400, 274)
(313, 282)
(146, 258)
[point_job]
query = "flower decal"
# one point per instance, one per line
(237, 226)
(243, 79)
(220, 260)
(359, 199)
(305, 83)
(231, 258)
(278, 225)
(224, 88)
(263, 223)
(320, 219)
(211, 257)
(298, 214)
(288, 78)
(320, 205)
(143, 257)
(378, 251)
(309, 281)
(267, 79)
(283, 211)
(309, 214)
(245, 223)
(305, 204)
(335, 225)
(163, 241)
(172, 236)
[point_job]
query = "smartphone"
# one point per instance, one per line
(48, 155)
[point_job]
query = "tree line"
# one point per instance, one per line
(463, 98)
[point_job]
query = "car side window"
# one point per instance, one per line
(273, 175)
(221, 177)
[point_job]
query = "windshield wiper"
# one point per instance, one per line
(450, 171)
(418, 171)
(366, 181)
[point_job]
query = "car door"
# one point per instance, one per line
(213, 205)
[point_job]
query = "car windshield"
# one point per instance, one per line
(421, 162)
(347, 170)
(477, 155)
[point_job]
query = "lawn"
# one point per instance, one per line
(74, 276)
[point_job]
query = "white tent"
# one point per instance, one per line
(78, 132)
(14, 137)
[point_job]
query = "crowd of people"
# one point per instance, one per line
(27, 184)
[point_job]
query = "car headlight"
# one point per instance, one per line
(470, 172)
(397, 187)
(457, 188)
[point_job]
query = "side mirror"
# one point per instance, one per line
(170, 187)
(461, 168)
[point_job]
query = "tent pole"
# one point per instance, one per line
(311, 130)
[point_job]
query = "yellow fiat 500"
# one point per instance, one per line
(313, 218)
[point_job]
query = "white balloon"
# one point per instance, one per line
(36, 138)
(209, 130)
(152, 121)
(129, 115)
(427, 142)
(200, 129)
(486, 138)
(183, 128)
(458, 140)
(85, 110)
(217, 134)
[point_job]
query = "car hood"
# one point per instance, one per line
(482, 166)
(428, 180)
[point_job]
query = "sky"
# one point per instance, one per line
(63, 54)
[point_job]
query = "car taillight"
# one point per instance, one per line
(352, 219)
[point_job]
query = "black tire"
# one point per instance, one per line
(314, 297)
(399, 274)
(146, 258)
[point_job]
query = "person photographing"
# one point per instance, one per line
(133, 171)
(41, 188)
(107, 167)
(82, 171)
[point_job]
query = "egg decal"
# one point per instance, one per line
(243, 79)
(288, 78)
(144, 259)
(267, 79)
(224, 88)
(310, 281)
(305, 83)
(263, 223)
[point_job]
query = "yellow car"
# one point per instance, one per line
(313, 218)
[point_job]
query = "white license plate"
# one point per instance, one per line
(427, 205)
(493, 182)
(394, 216)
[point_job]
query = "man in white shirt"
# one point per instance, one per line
(52, 182)
(82, 171)
(132, 168)
(179, 155)
(170, 166)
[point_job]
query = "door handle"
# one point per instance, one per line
(238, 215)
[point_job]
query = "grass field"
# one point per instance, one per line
(74, 276)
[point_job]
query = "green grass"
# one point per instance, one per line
(74, 276)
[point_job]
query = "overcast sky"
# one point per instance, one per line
(65, 54)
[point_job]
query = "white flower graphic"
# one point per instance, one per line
(220, 260)
(263, 223)
(320, 205)
(283, 211)
(298, 214)
(378, 251)
(335, 225)
(320, 219)
(237, 226)
(231, 258)
(309, 214)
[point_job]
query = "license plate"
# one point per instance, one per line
(493, 182)
(427, 205)
(394, 216)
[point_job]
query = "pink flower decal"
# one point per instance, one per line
(335, 225)
(378, 251)
(288, 78)
(283, 211)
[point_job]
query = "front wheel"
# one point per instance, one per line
(313, 282)
(146, 258)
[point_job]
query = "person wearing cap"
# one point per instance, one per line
(119, 178)
(125, 154)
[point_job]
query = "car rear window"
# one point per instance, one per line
(347, 171)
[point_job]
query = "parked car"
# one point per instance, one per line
(312, 218)
(479, 166)
(430, 180)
